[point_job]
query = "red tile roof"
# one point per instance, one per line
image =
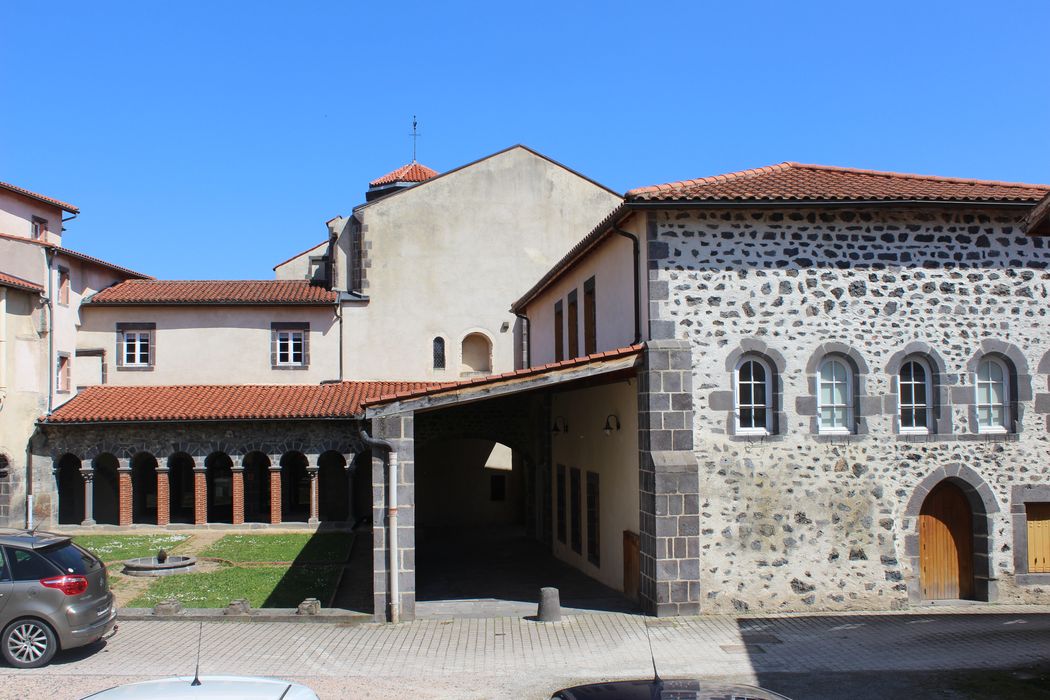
(496, 378)
(48, 200)
(802, 182)
(413, 172)
(7, 280)
(136, 404)
(226, 292)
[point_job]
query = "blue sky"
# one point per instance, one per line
(212, 140)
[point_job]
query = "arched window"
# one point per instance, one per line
(439, 353)
(476, 354)
(992, 396)
(754, 397)
(835, 396)
(916, 406)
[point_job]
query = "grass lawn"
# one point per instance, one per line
(117, 548)
(325, 547)
(264, 587)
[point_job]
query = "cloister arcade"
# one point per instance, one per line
(162, 482)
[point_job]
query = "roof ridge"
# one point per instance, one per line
(711, 179)
(916, 176)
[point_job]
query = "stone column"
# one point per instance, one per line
(399, 431)
(311, 472)
(163, 497)
(89, 495)
(669, 482)
(238, 492)
(275, 494)
(124, 490)
(200, 492)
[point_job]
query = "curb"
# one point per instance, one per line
(326, 616)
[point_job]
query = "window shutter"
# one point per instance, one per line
(306, 346)
(273, 347)
(120, 347)
(152, 347)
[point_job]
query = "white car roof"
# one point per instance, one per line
(226, 687)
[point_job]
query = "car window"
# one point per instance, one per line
(28, 566)
(4, 573)
(71, 558)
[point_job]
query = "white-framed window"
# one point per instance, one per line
(291, 347)
(38, 228)
(753, 397)
(915, 393)
(136, 350)
(835, 397)
(993, 388)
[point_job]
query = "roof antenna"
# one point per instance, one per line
(197, 670)
(415, 135)
(652, 657)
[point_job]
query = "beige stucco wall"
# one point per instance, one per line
(448, 257)
(615, 459)
(23, 259)
(610, 264)
(214, 344)
(17, 212)
(298, 268)
(23, 390)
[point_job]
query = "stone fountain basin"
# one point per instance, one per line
(149, 566)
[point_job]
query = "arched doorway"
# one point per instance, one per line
(106, 490)
(256, 488)
(144, 489)
(180, 487)
(70, 491)
(946, 556)
(333, 488)
(219, 478)
(295, 488)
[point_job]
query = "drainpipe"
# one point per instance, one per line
(526, 341)
(637, 284)
(391, 522)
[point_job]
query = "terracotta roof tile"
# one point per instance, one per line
(413, 172)
(7, 280)
(495, 378)
(803, 182)
(156, 292)
(48, 200)
(123, 404)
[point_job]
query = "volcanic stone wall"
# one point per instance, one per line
(802, 521)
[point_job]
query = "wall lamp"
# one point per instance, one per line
(612, 423)
(560, 425)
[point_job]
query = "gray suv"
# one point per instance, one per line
(53, 595)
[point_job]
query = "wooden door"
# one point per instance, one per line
(632, 564)
(946, 545)
(1038, 537)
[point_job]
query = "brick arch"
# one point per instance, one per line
(983, 505)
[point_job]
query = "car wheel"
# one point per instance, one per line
(28, 643)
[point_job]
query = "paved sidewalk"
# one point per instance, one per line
(512, 657)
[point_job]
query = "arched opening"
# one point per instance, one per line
(70, 491)
(106, 490)
(477, 354)
(144, 489)
(180, 487)
(256, 488)
(295, 488)
(361, 486)
(219, 478)
(333, 488)
(946, 544)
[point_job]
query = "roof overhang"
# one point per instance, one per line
(1037, 223)
(617, 365)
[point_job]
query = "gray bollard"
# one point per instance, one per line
(550, 605)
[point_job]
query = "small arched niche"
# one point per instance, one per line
(476, 354)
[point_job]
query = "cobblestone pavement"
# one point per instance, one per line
(513, 657)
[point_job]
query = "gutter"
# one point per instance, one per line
(637, 283)
(394, 569)
(825, 203)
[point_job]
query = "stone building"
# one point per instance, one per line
(791, 388)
